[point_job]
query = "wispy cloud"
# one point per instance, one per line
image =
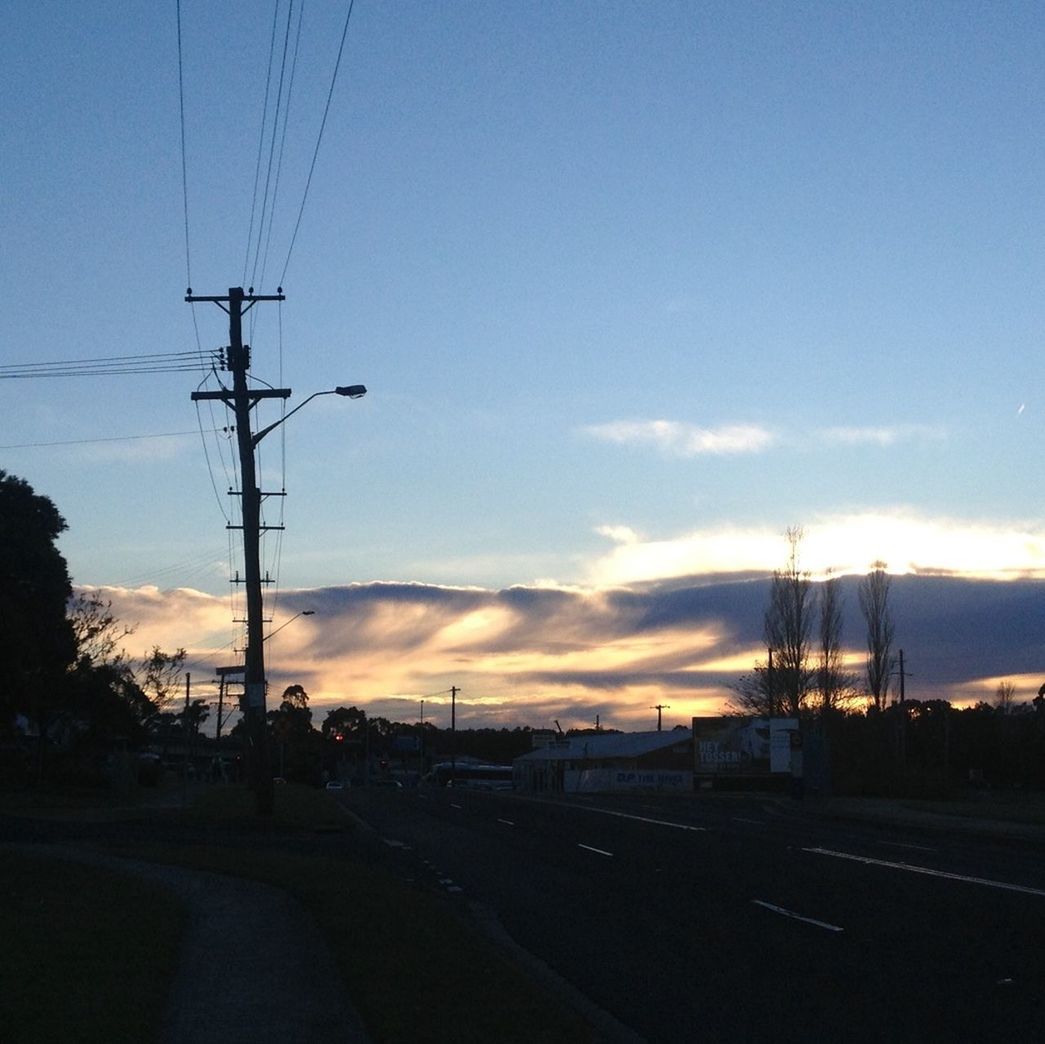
(685, 440)
(882, 435)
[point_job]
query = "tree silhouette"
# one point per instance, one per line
(36, 639)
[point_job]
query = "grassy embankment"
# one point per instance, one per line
(87, 953)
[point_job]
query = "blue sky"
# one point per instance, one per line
(634, 286)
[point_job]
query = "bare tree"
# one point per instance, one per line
(99, 635)
(752, 694)
(160, 676)
(834, 682)
(1005, 698)
(788, 622)
(874, 604)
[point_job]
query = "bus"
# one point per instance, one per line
(470, 775)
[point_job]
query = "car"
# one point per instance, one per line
(335, 784)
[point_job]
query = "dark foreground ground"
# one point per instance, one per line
(313, 927)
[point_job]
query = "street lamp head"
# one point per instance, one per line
(353, 391)
(308, 612)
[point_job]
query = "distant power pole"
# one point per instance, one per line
(454, 690)
(243, 399)
(659, 708)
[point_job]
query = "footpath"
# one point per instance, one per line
(253, 966)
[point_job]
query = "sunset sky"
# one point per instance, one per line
(634, 287)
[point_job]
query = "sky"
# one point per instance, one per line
(634, 287)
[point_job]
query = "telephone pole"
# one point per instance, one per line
(660, 708)
(243, 399)
(454, 690)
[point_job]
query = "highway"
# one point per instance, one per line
(728, 917)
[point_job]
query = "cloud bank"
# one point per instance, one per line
(906, 541)
(529, 655)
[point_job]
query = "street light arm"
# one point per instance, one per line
(304, 612)
(353, 391)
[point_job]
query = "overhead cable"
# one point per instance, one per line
(319, 140)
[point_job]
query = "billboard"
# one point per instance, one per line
(742, 746)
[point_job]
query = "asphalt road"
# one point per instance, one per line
(741, 918)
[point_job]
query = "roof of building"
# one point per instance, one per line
(607, 745)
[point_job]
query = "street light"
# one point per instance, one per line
(352, 391)
(254, 675)
(304, 612)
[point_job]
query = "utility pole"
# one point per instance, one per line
(658, 708)
(243, 399)
(903, 714)
(454, 690)
(185, 740)
(771, 681)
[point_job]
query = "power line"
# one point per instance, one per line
(267, 211)
(184, 172)
(111, 438)
(172, 362)
(283, 135)
(319, 139)
(261, 142)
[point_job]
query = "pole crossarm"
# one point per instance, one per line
(227, 395)
(221, 302)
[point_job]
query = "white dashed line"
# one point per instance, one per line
(645, 819)
(797, 917)
(598, 851)
(911, 868)
(506, 822)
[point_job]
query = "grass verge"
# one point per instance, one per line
(88, 953)
(415, 968)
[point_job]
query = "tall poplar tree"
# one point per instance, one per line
(874, 604)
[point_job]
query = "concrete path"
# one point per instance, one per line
(253, 966)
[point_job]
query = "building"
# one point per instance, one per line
(594, 762)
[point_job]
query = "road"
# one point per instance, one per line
(742, 918)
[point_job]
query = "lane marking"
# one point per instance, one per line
(598, 851)
(644, 819)
(452, 805)
(506, 822)
(911, 868)
(798, 917)
(743, 819)
(901, 844)
(393, 843)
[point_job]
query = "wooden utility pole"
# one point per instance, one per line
(658, 708)
(454, 690)
(771, 684)
(243, 399)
